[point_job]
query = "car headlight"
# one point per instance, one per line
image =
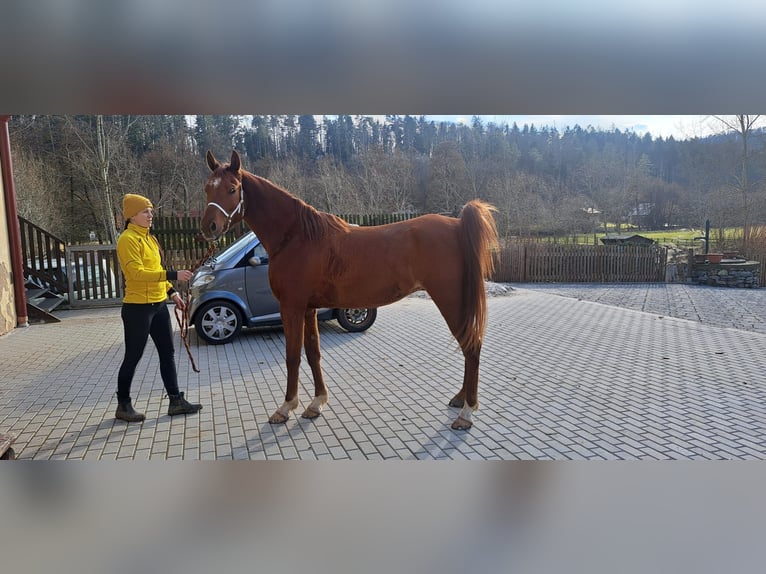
(202, 279)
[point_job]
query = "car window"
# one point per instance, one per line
(260, 251)
(234, 247)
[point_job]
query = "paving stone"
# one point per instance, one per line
(568, 372)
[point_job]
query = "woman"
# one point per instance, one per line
(144, 308)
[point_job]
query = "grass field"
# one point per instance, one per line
(681, 237)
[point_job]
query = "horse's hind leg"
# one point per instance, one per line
(467, 398)
(313, 355)
(470, 373)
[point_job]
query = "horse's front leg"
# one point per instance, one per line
(292, 322)
(459, 399)
(313, 355)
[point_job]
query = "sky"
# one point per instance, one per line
(679, 126)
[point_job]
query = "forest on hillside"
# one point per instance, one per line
(71, 171)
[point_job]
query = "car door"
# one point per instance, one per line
(263, 304)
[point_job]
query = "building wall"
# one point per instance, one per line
(7, 302)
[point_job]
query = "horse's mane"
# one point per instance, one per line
(314, 224)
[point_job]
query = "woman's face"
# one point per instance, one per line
(143, 218)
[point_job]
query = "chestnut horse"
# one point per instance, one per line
(318, 260)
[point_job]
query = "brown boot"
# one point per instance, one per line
(126, 413)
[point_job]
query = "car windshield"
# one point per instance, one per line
(232, 251)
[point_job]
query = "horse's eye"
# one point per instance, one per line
(232, 190)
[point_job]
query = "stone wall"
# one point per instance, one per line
(746, 274)
(7, 300)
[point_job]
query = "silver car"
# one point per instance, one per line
(231, 290)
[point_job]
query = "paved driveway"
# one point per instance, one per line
(561, 378)
(720, 306)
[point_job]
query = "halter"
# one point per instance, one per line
(229, 216)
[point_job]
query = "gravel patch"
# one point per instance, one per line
(492, 289)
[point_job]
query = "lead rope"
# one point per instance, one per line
(182, 318)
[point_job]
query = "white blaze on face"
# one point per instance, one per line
(215, 182)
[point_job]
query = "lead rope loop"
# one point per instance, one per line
(182, 318)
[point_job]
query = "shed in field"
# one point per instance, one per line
(633, 239)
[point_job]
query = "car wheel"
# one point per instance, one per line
(356, 320)
(218, 322)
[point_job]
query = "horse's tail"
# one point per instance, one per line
(478, 238)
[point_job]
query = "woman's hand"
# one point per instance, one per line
(178, 300)
(184, 275)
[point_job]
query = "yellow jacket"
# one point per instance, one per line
(139, 254)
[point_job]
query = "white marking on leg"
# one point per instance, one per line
(466, 412)
(318, 403)
(287, 408)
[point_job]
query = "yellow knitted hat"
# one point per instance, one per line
(132, 204)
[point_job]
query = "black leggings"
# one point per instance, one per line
(141, 320)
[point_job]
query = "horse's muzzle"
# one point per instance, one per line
(211, 231)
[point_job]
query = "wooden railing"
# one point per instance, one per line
(543, 262)
(95, 277)
(43, 257)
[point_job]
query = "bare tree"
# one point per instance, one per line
(743, 125)
(337, 192)
(602, 179)
(100, 146)
(523, 202)
(637, 183)
(288, 173)
(36, 183)
(386, 181)
(171, 178)
(448, 187)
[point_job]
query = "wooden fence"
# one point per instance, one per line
(376, 219)
(90, 274)
(760, 257)
(182, 243)
(544, 262)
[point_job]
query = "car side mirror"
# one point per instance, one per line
(255, 261)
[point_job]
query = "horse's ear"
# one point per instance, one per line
(212, 163)
(235, 163)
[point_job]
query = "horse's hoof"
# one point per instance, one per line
(278, 418)
(461, 424)
(310, 413)
(456, 402)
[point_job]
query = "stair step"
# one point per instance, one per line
(6, 452)
(48, 303)
(40, 303)
(35, 293)
(37, 315)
